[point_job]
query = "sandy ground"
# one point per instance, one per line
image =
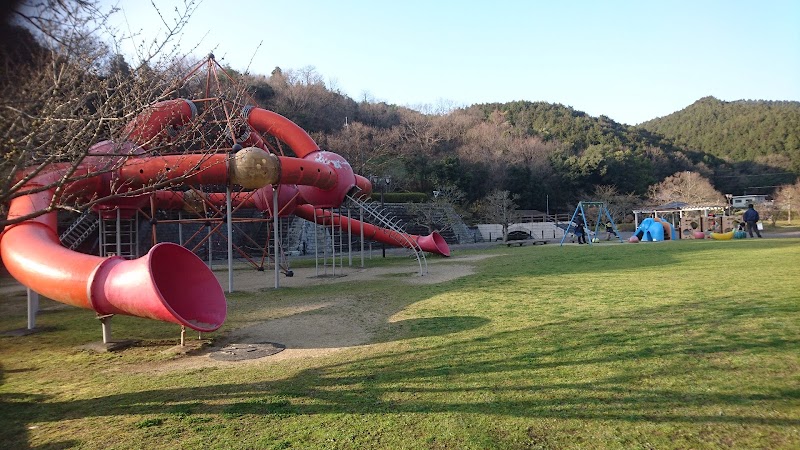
(315, 329)
(343, 320)
(439, 270)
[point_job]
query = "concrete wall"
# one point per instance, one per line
(537, 230)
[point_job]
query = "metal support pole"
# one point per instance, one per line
(349, 237)
(361, 219)
(275, 236)
(324, 246)
(383, 246)
(153, 231)
(101, 235)
(180, 227)
(210, 254)
(136, 234)
(341, 239)
(229, 220)
(33, 308)
(105, 322)
(316, 245)
(119, 232)
(333, 244)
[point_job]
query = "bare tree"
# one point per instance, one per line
(440, 213)
(304, 96)
(69, 89)
(618, 204)
(365, 147)
(499, 207)
(687, 187)
(787, 197)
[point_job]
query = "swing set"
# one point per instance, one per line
(599, 211)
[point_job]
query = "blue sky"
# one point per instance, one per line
(630, 60)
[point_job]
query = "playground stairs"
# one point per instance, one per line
(79, 230)
(263, 235)
(378, 214)
(444, 220)
(540, 231)
(291, 229)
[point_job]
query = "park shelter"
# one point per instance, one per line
(678, 213)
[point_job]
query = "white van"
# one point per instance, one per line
(741, 201)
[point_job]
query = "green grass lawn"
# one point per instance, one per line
(689, 344)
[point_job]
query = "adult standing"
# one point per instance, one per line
(580, 231)
(751, 217)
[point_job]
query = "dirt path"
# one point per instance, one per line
(316, 329)
(439, 270)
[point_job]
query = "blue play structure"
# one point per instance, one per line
(603, 216)
(654, 229)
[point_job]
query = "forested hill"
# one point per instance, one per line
(547, 155)
(552, 121)
(542, 152)
(744, 130)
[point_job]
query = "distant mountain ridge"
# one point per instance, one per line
(742, 130)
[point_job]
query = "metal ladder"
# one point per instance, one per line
(380, 216)
(118, 236)
(79, 230)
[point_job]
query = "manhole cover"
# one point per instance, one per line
(241, 352)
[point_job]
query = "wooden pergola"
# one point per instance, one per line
(673, 212)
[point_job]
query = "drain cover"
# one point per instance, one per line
(241, 352)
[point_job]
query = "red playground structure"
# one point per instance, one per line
(266, 158)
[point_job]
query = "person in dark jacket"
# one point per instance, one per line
(580, 231)
(750, 217)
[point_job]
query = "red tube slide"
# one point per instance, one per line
(282, 128)
(433, 243)
(144, 129)
(364, 187)
(262, 200)
(324, 178)
(205, 169)
(307, 173)
(169, 283)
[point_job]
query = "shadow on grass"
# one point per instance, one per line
(653, 370)
(658, 365)
(427, 327)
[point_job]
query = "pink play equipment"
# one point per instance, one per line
(170, 283)
(313, 180)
